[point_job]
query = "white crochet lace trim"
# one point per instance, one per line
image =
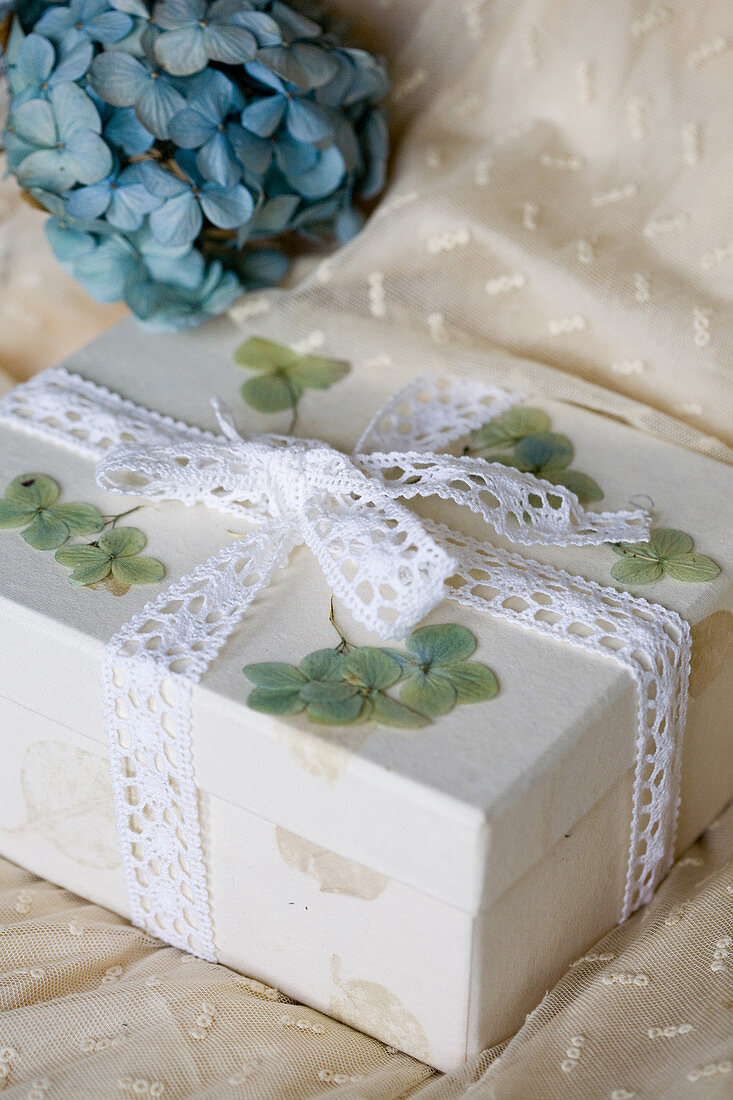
(389, 567)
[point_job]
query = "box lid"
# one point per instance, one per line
(459, 809)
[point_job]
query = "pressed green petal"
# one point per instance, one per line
(275, 676)
(46, 532)
(664, 542)
(324, 664)
(510, 460)
(389, 712)
(509, 428)
(634, 550)
(690, 567)
(89, 563)
(315, 373)
(441, 644)
(270, 393)
(318, 691)
(133, 570)
(81, 519)
(259, 354)
(545, 450)
(275, 702)
(72, 556)
(429, 695)
(32, 491)
(584, 487)
(14, 515)
(122, 542)
(473, 682)
(336, 712)
(636, 571)
(404, 660)
(371, 668)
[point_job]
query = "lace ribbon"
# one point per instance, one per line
(388, 566)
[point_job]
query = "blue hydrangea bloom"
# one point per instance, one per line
(122, 199)
(126, 81)
(63, 140)
(204, 126)
(180, 145)
(39, 67)
(184, 201)
(90, 20)
(196, 32)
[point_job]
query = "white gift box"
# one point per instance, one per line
(426, 886)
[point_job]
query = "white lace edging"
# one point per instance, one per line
(387, 565)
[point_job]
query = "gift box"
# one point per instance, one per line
(425, 884)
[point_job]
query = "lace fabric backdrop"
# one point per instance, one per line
(558, 212)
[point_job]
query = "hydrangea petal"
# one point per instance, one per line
(91, 156)
(183, 51)
(122, 541)
(35, 60)
(109, 26)
(33, 491)
(189, 129)
(178, 220)
(323, 179)
(138, 570)
(74, 111)
(89, 202)
(118, 78)
(51, 169)
(227, 208)
(35, 123)
(307, 122)
(157, 105)
(217, 162)
(46, 532)
(125, 130)
(230, 43)
(171, 14)
(263, 116)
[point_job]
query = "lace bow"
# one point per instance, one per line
(387, 565)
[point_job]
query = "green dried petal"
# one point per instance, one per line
(636, 571)
(317, 691)
(324, 664)
(46, 532)
(122, 542)
(134, 570)
(441, 644)
(81, 519)
(265, 355)
(545, 451)
(584, 487)
(336, 712)
(89, 563)
(316, 373)
(275, 676)
(509, 428)
(510, 460)
(473, 682)
(371, 668)
(32, 491)
(388, 712)
(270, 393)
(690, 568)
(664, 542)
(275, 702)
(429, 695)
(15, 515)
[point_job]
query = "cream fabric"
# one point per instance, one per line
(559, 212)
(93, 1007)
